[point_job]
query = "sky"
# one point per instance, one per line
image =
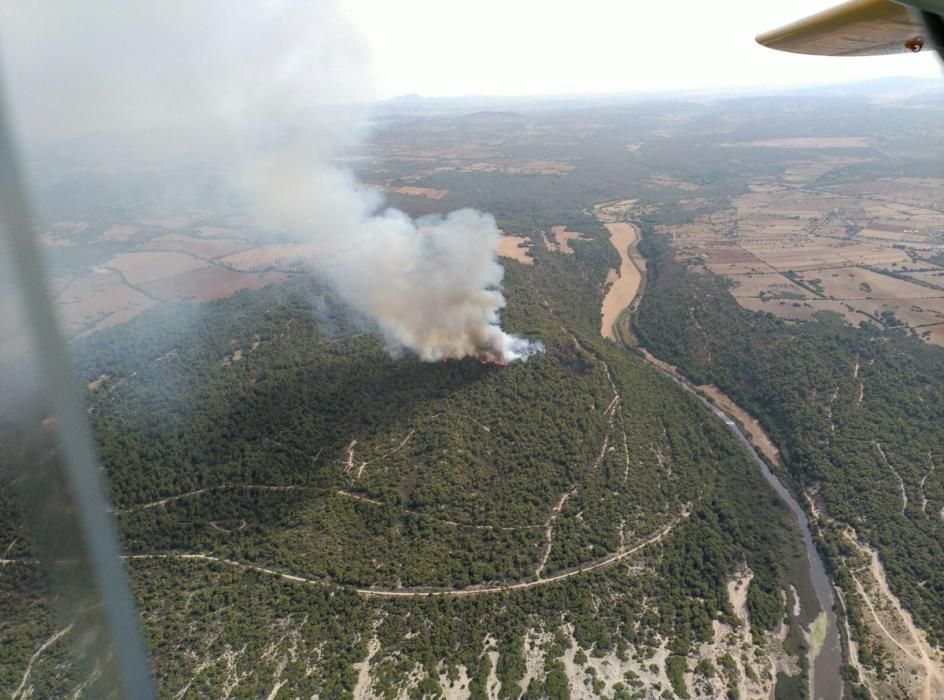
(531, 47)
(74, 68)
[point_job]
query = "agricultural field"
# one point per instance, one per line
(794, 247)
(120, 270)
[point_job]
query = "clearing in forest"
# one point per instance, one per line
(516, 248)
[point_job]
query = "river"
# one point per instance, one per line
(826, 681)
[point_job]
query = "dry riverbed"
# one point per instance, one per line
(625, 285)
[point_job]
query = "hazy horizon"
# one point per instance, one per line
(529, 48)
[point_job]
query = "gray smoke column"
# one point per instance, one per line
(257, 89)
(432, 284)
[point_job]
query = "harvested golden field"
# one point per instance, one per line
(917, 192)
(807, 171)
(812, 253)
(935, 277)
(199, 247)
(560, 240)
(890, 236)
(855, 283)
(427, 192)
(140, 268)
(539, 167)
(292, 257)
(208, 283)
(98, 300)
(516, 248)
(668, 181)
(802, 310)
(933, 334)
(530, 167)
(836, 241)
(770, 284)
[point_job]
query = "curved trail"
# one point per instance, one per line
(913, 644)
(549, 529)
(419, 591)
(22, 690)
(608, 560)
(191, 494)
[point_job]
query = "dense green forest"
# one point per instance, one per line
(295, 499)
(454, 472)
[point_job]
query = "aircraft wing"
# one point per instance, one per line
(855, 28)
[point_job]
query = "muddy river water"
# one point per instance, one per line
(826, 679)
(826, 661)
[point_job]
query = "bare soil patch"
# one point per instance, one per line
(561, 240)
(516, 248)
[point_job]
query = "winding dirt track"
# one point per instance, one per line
(418, 592)
(549, 529)
(912, 642)
(608, 560)
(191, 494)
(22, 689)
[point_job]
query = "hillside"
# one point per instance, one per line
(288, 495)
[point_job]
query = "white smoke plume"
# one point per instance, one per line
(257, 88)
(431, 284)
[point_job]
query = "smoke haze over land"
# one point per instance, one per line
(268, 92)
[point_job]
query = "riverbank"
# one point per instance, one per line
(822, 636)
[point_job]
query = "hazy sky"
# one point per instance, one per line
(74, 67)
(510, 47)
